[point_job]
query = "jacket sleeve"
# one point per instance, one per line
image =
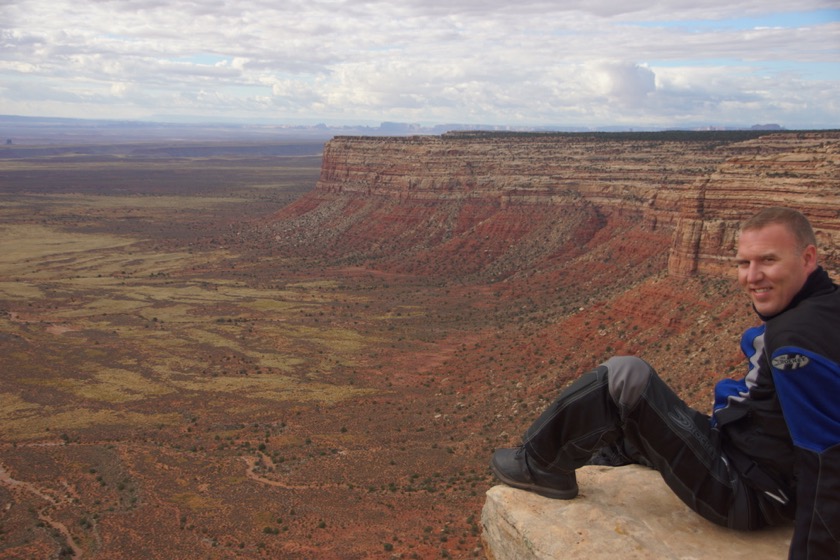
(808, 386)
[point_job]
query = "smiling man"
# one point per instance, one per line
(771, 449)
(774, 260)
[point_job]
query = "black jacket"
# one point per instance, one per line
(781, 423)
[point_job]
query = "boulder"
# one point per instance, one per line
(624, 512)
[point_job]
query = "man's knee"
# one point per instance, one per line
(628, 376)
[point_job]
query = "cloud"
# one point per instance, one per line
(490, 61)
(626, 82)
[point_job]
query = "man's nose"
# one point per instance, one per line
(754, 273)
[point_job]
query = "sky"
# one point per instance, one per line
(581, 63)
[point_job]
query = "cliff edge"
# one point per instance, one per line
(625, 512)
(506, 203)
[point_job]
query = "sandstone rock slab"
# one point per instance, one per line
(626, 512)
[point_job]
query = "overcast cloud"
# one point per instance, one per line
(529, 62)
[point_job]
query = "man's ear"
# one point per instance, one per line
(809, 258)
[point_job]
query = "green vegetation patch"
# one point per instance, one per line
(276, 388)
(276, 360)
(334, 339)
(119, 385)
(104, 384)
(20, 291)
(183, 293)
(33, 422)
(102, 306)
(116, 267)
(11, 406)
(279, 306)
(20, 243)
(207, 336)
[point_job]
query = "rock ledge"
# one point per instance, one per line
(626, 512)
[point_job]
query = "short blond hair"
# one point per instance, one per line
(794, 220)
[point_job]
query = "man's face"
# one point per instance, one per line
(771, 268)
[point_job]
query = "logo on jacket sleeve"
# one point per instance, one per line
(786, 362)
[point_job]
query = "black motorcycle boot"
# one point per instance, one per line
(514, 468)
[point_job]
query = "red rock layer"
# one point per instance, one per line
(509, 200)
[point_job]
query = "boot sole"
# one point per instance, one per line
(545, 491)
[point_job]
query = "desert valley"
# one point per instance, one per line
(291, 349)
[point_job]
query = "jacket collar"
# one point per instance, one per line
(818, 282)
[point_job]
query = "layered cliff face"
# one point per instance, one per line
(498, 203)
(796, 170)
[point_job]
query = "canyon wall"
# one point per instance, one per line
(797, 170)
(690, 190)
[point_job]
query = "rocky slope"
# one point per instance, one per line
(568, 248)
(507, 202)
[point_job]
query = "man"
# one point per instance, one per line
(771, 449)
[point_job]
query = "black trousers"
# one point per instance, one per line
(624, 401)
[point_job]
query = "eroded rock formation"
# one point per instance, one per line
(686, 190)
(798, 170)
